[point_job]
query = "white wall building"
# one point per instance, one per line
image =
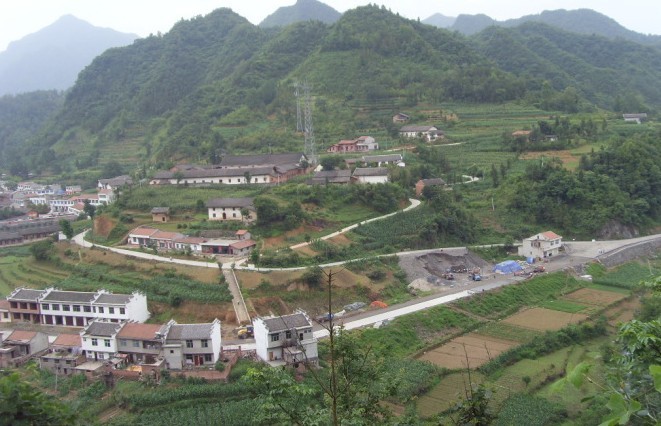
(99, 340)
(542, 245)
(286, 338)
(190, 345)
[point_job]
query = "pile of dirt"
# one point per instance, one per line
(436, 263)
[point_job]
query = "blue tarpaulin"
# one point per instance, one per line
(507, 267)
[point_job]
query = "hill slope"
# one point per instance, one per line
(52, 57)
(303, 10)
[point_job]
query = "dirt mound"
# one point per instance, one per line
(103, 225)
(438, 263)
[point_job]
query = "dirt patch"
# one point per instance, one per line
(622, 312)
(544, 319)
(103, 225)
(306, 251)
(471, 350)
(568, 159)
(340, 240)
(592, 296)
(192, 312)
(265, 306)
(432, 266)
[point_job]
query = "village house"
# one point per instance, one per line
(239, 169)
(232, 209)
(400, 118)
(4, 311)
(542, 245)
(635, 118)
(382, 160)
(160, 214)
(288, 339)
(361, 144)
(99, 340)
(422, 183)
(192, 345)
(324, 177)
(115, 183)
(64, 354)
(75, 308)
(10, 238)
(371, 175)
(142, 343)
(20, 345)
(428, 133)
(24, 305)
(235, 244)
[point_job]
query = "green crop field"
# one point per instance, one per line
(563, 306)
(450, 390)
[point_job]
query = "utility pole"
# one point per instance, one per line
(297, 93)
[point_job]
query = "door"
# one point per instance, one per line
(198, 360)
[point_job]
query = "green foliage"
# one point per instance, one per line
(20, 403)
(524, 409)
(313, 277)
(42, 250)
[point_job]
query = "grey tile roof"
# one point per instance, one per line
(160, 210)
(26, 294)
(189, 331)
(433, 181)
(370, 171)
(261, 159)
(69, 296)
(100, 328)
(286, 322)
(382, 158)
(231, 202)
(214, 173)
(113, 299)
(414, 128)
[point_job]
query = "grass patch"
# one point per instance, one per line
(506, 331)
(609, 288)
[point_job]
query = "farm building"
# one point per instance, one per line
(542, 245)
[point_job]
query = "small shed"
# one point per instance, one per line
(160, 214)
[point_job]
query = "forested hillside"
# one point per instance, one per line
(303, 10)
(219, 84)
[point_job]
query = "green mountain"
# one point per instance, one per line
(51, 58)
(303, 10)
(218, 84)
(580, 21)
(439, 20)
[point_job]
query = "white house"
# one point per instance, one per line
(77, 308)
(429, 133)
(189, 345)
(371, 175)
(114, 183)
(286, 338)
(99, 340)
(380, 160)
(230, 209)
(542, 245)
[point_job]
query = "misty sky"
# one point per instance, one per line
(19, 18)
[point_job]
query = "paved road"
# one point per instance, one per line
(240, 308)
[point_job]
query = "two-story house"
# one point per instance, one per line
(142, 343)
(24, 305)
(286, 338)
(189, 345)
(232, 209)
(99, 340)
(64, 354)
(20, 345)
(542, 245)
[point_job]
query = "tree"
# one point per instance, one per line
(21, 404)
(42, 250)
(66, 228)
(89, 209)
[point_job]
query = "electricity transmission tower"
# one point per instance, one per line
(310, 147)
(299, 121)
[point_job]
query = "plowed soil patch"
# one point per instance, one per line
(594, 297)
(544, 319)
(477, 348)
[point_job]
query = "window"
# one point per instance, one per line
(44, 306)
(275, 337)
(76, 308)
(122, 311)
(122, 342)
(13, 305)
(111, 310)
(207, 358)
(33, 306)
(66, 308)
(205, 343)
(55, 307)
(189, 343)
(136, 343)
(106, 343)
(95, 342)
(68, 362)
(5, 315)
(288, 334)
(189, 357)
(101, 309)
(57, 361)
(171, 351)
(87, 308)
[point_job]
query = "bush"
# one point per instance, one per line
(220, 366)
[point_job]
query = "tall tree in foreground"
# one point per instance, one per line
(348, 388)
